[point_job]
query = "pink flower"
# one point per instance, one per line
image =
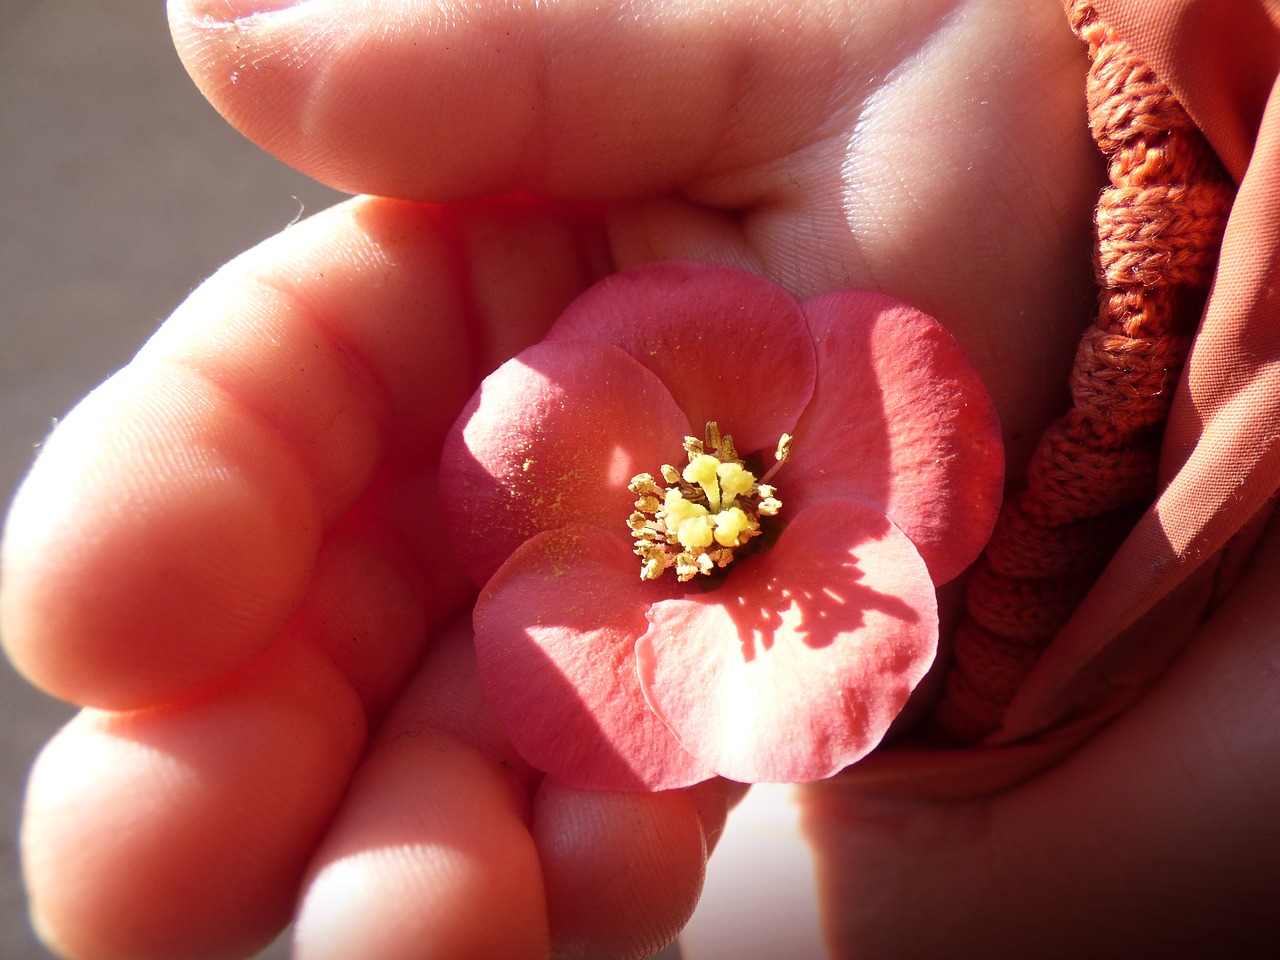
(818, 618)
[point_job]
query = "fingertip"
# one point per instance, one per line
(159, 542)
(343, 61)
(428, 857)
(440, 102)
(622, 870)
(184, 831)
(170, 525)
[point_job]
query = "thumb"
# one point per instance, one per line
(580, 100)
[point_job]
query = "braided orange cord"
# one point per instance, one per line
(1159, 226)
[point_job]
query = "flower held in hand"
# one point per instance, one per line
(656, 608)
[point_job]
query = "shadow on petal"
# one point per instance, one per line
(797, 665)
(555, 635)
(820, 613)
(901, 421)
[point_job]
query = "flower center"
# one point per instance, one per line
(705, 512)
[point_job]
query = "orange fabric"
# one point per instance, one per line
(1159, 225)
(1044, 674)
(1220, 463)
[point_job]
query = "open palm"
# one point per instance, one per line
(230, 553)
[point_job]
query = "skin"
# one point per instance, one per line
(229, 554)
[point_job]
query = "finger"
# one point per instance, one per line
(826, 146)
(377, 590)
(359, 629)
(183, 832)
(437, 101)
(447, 846)
(170, 526)
(430, 857)
(430, 854)
(622, 870)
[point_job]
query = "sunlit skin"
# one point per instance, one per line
(229, 552)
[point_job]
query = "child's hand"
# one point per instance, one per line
(229, 552)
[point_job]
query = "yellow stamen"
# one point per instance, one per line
(677, 509)
(707, 511)
(731, 524)
(696, 532)
(702, 471)
(734, 482)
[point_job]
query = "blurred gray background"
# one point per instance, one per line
(120, 189)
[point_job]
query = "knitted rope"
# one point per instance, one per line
(1159, 226)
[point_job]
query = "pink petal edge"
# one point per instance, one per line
(729, 345)
(555, 636)
(552, 437)
(900, 420)
(796, 666)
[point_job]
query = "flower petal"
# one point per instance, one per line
(555, 637)
(730, 346)
(797, 665)
(552, 437)
(900, 420)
